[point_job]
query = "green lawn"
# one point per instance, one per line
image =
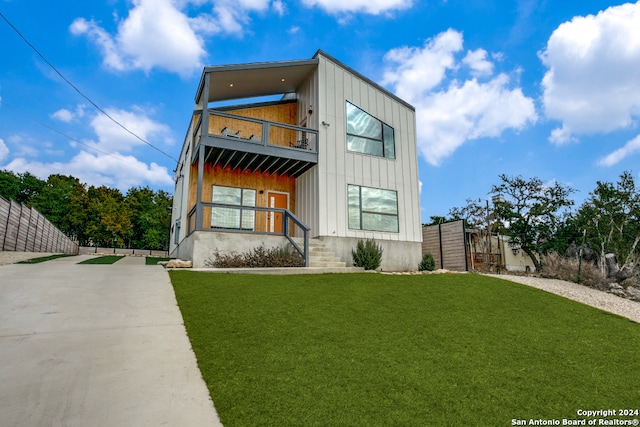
(44, 258)
(154, 260)
(103, 259)
(380, 350)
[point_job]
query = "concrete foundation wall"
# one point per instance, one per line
(396, 256)
(201, 246)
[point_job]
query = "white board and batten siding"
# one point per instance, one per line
(338, 167)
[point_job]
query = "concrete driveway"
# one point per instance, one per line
(96, 345)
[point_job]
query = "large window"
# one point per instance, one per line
(373, 209)
(233, 218)
(368, 135)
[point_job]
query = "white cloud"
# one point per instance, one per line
(107, 165)
(477, 61)
(448, 116)
(155, 34)
(279, 7)
(63, 115)
(418, 70)
(4, 150)
(373, 7)
(99, 169)
(630, 148)
(593, 79)
(112, 137)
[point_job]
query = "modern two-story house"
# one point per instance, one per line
(330, 157)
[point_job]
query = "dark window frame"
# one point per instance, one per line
(387, 145)
(363, 212)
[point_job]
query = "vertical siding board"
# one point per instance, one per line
(4, 218)
(21, 230)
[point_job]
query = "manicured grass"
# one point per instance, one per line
(379, 350)
(103, 259)
(45, 258)
(154, 260)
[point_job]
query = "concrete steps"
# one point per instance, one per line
(320, 256)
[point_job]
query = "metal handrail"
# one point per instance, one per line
(286, 216)
(266, 124)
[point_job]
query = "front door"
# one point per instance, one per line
(281, 201)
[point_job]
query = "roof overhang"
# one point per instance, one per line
(241, 81)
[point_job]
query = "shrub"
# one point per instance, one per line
(555, 266)
(259, 257)
(428, 263)
(368, 255)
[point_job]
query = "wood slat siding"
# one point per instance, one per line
(24, 229)
(227, 177)
(446, 242)
(282, 113)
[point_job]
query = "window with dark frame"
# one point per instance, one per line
(372, 209)
(368, 135)
(233, 218)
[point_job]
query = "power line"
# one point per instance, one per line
(33, 119)
(80, 92)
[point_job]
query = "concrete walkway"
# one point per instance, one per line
(96, 345)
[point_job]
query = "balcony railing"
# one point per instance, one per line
(251, 220)
(254, 144)
(255, 131)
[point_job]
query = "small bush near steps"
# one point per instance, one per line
(368, 255)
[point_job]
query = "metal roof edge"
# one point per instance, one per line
(258, 65)
(320, 52)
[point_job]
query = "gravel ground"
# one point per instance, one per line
(589, 296)
(9, 257)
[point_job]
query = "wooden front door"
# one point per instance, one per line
(277, 200)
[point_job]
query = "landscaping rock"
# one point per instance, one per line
(616, 289)
(178, 263)
(633, 293)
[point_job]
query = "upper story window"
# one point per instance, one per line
(368, 135)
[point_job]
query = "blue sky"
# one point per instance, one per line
(549, 89)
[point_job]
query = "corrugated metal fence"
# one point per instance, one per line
(24, 229)
(446, 242)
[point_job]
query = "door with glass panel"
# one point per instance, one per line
(234, 215)
(280, 201)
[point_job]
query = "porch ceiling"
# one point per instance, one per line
(257, 79)
(273, 160)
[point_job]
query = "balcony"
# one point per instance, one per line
(253, 144)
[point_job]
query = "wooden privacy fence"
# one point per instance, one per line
(446, 242)
(24, 229)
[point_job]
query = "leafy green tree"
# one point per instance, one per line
(56, 202)
(21, 187)
(150, 217)
(10, 185)
(108, 220)
(436, 219)
(532, 212)
(611, 218)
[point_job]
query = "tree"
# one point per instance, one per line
(611, 218)
(150, 217)
(532, 212)
(20, 187)
(57, 200)
(10, 185)
(108, 221)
